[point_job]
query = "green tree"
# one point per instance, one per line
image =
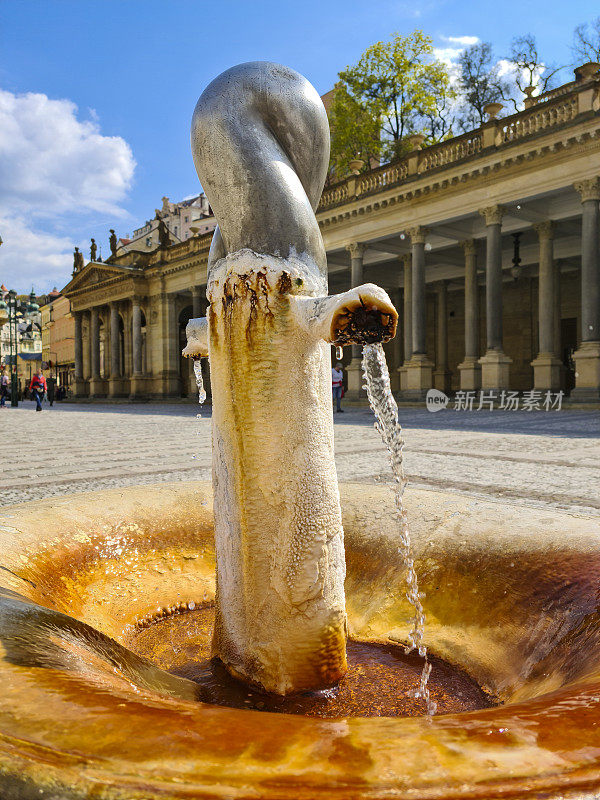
(355, 133)
(397, 88)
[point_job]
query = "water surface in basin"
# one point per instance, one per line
(381, 678)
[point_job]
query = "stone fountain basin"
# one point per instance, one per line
(512, 597)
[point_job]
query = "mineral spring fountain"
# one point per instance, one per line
(264, 637)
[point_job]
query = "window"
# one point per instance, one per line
(148, 241)
(187, 219)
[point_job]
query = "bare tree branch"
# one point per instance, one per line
(586, 42)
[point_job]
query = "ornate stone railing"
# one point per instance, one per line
(555, 108)
(538, 118)
(553, 94)
(448, 152)
(382, 177)
(337, 194)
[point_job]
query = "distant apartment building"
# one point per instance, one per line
(188, 218)
(27, 350)
(58, 339)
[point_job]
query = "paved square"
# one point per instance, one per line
(547, 458)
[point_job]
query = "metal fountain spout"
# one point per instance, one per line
(260, 140)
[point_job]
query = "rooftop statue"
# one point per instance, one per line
(78, 262)
(164, 240)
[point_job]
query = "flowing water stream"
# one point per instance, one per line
(377, 385)
(379, 393)
(199, 380)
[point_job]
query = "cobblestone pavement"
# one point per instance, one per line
(547, 458)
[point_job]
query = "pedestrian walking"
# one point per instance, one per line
(4, 381)
(38, 389)
(337, 386)
(51, 383)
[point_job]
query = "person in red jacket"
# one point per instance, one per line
(38, 389)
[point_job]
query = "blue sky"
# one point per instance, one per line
(96, 96)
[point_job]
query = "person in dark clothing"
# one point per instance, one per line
(4, 386)
(38, 388)
(51, 383)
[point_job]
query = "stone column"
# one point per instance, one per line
(136, 325)
(557, 315)
(169, 372)
(406, 260)
(470, 369)
(196, 301)
(546, 367)
(354, 369)
(96, 382)
(495, 363)
(587, 357)
(419, 372)
(90, 339)
(79, 381)
(397, 351)
(442, 374)
(114, 383)
(137, 378)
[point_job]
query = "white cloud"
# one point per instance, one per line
(30, 257)
(54, 170)
(50, 162)
(505, 67)
(449, 55)
(464, 41)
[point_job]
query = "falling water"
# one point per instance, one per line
(384, 407)
(199, 380)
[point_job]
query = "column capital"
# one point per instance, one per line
(469, 246)
(418, 234)
(545, 230)
(136, 300)
(492, 214)
(589, 189)
(405, 259)
(356, 249)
